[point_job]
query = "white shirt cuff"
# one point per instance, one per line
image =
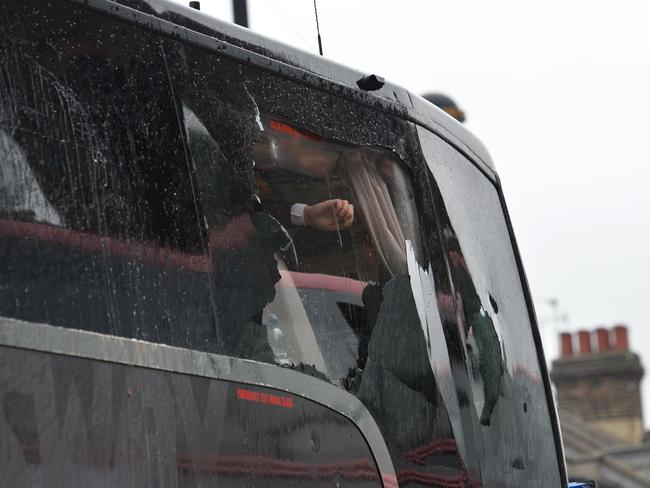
(298, 214)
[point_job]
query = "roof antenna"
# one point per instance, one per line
(320, 44)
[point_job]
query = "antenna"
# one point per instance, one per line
(320, 44)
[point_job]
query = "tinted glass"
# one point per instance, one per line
(100, 228)
(493, 332)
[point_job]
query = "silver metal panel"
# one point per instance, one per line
(91, 345)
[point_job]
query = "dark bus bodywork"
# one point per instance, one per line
(164, 322)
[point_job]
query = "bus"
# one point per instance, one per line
(227, 262)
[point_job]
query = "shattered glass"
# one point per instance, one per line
(493, 327)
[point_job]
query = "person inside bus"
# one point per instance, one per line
(247, 230)
(394, 371)
(331, 215)
(289, 167)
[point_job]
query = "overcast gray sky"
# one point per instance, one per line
(560, 94)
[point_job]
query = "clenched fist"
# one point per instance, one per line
(330, 215)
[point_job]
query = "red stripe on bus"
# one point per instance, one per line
(292, 131)
(237, 233)
(295, 279)
(265, 398)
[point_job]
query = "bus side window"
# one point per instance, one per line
(354, 257)
(506, 388)
(95, 185)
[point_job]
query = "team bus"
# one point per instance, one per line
(226, 262)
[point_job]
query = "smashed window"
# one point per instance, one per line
(348, 233)
(505, 392)
(302, 262)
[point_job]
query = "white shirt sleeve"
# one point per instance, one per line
(298, 214)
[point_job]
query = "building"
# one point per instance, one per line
(597, 380)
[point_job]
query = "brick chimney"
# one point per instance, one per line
(620, 341)
(602, 335)
(584, 339)
(600, 382)
(566, 340)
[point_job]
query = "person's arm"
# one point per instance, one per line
(328, 215)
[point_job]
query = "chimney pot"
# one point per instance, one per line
(566, 345)
(620, 338)
(603, 339)
(584, 339)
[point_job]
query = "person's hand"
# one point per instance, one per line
(330, 215)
